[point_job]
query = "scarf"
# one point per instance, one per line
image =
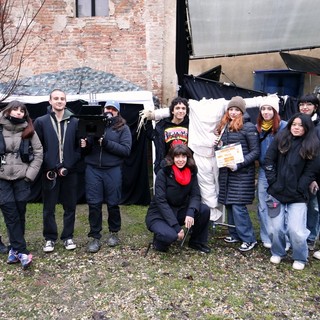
(15, 120)
(182, 176)
(266, 125)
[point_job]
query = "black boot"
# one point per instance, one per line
(3, 248)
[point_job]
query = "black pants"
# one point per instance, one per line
(63, 190)
(103, 185)
(165, 235)
(95, 219)
(13, 196)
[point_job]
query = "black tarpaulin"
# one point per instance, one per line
(300, 63)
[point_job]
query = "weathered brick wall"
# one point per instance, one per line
(128, 43)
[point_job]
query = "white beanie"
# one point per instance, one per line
(272, 100)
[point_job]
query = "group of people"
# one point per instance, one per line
(190, 186)
(51, 147)
(288, 178)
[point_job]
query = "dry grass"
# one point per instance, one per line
(121, 283)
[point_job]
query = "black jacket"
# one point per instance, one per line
(288, 175)
(238, 187)
(48, 136)
(170, 197)
(116, 145)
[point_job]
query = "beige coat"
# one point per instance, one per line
(12, 167)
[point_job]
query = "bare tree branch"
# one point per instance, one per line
(17, 18)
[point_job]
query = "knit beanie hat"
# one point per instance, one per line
(272, 100)
(238, 102)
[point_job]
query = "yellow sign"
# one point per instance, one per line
(229, 154)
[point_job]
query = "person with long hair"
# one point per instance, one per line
(104, 157)
(286, 167)
(177, 202)
(237, 180)
(268, 125)
(309, 105)
(21, 158)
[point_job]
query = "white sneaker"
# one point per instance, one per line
(297, 265)
(317, 255)
(69, 244)
(267, 245)
(49, 246)
(275, 259)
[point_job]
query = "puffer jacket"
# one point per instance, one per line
(115, 147)
(171, 197)
(238, 187)
(13, 167)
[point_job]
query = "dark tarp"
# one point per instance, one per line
(212, 74)
(135, 188)
(197, 88)
(301, 63)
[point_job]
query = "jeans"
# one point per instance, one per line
(313, 221)
(238, 216)
(291, 221)
(262, 206)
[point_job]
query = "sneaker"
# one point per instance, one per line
(311, 245)
(297, 265)
(246, 246)
(113, 239)
(12, 257)
(266, 245)
(94, 245)
(230, 240)
(25, 259)
(69, 244)
(275, 259)
(49, 246)
(3, 247)
(317, 255)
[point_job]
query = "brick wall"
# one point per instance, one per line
(128, 43)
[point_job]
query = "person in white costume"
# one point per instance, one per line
(204, 116)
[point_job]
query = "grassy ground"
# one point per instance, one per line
(121, 283)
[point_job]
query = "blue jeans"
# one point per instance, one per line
(238, 216)
(313, 221)
(291, 221)
(262, 206)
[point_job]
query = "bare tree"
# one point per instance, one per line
(17, 18)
